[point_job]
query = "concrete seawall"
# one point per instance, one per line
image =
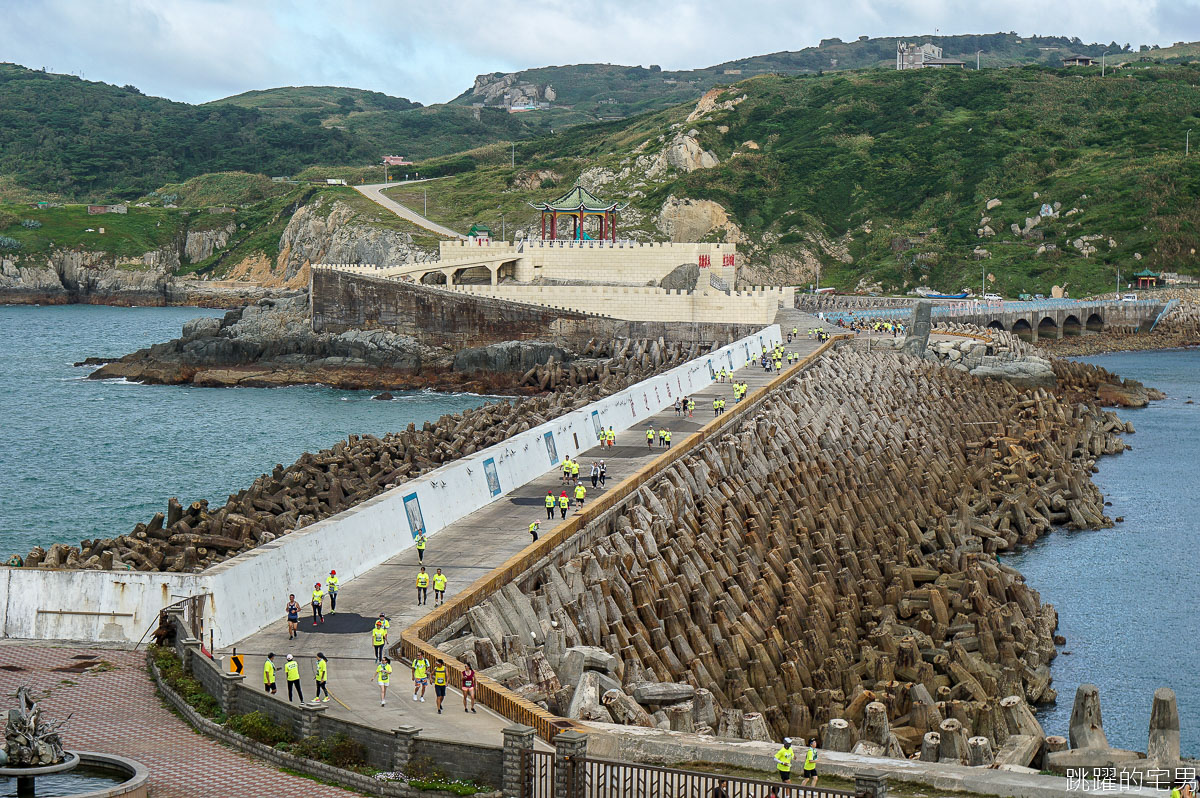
(245, 593)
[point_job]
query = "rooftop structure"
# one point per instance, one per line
(917, 56)
(1079, 60)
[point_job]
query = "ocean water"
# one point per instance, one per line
(86, 458)
(1128, 598)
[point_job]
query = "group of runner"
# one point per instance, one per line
(317, 602)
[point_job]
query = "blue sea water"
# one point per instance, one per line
(86, 458)
(1128, 598)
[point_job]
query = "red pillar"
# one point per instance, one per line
(575, 227)
(553, 226)
(543, 225)
(602, 226)
(612, 226)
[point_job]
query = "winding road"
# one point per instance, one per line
(374, 192)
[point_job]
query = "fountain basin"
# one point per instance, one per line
(88, 775)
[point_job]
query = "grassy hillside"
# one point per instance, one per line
(61, 136)
(609, 90)
(885, 175)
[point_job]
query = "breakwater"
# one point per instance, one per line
(828, 564)
(189, 537)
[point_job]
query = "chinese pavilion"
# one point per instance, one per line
(579, 203)
(1146, 278)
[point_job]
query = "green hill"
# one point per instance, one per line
(66, 137)
(884, 176)
(609, 90)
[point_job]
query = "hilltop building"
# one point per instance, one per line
(922, 56)
(1079, 60)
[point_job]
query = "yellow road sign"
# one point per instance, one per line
(236, 664)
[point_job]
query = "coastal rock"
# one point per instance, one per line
(200, 244)
(684, 219)
(508, 356)
(1129, 393)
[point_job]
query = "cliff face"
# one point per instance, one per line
(321, 233)
(69, 276)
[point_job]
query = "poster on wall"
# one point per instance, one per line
(596, 424)
(747, 345)
(493, 477)
(551, 449)
(729, 357)
(712, 373)
(412, 508)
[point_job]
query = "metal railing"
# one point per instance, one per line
(490, 693)
(537, 774)
(607, 779)
(971, 308)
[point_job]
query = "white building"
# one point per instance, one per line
(922, 56)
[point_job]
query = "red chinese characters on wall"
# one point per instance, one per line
(705, 261)
(727, 260)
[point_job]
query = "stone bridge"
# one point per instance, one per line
(1033, 320)
(443, 271)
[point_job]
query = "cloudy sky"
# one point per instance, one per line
(200, 50)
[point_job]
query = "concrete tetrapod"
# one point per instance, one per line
(1163, 745)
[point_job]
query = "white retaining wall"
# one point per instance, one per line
(249, 591)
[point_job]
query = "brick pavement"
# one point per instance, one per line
(119, 712)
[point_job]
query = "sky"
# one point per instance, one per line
(201, 50)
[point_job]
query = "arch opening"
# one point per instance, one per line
(1023, 330)
(1071, 326)
(1094, 323)
(433, 278)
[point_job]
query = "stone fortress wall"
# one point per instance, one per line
(757, 306)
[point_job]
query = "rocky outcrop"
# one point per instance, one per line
(329, 232)
(509, 89)
(685, 219)
(68, 276)
(508, 356)
(681, 278)
(199, 245)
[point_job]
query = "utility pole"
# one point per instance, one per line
(1187, 142)
(514, 155)
(425, 192)
(502, 238)
(977, 52)
(1102, 62)
(1118, 282)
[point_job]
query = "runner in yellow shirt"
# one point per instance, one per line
(422, 586)
(383, 677)
(439, 683)
(439, 588)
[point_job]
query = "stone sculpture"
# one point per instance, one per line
(29, 739)
(919, 327)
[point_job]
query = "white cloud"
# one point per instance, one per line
(198, 50)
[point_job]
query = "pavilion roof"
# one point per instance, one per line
(1146, 273)
(577, 199)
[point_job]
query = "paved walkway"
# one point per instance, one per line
(464, 551)
(115, 709)
(374, 192)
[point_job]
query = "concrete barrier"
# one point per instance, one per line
(247, 592)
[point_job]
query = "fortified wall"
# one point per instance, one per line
(632, 263)
(344, 300)
(757, 306)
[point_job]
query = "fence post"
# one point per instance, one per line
(870, 784)
(310, 717)
(403, 747)
(191, 650)
(570, 747)
(230, 684)
(517, 738)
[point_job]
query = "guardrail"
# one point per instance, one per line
(491, 693)
(966, 308)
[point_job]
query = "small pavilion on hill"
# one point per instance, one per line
(1146, 279)
(579, 203)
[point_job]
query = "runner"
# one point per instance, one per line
(580, 492)
(317, 597)
(549, 506)
(533, 528)
(269, 673)
(420, 675)
(322, 678)
(331, 587)
(566, 470)
(439, 588)
(421, 546)
(378, 639)
(595, 474)
(439, 683)
(650, 438)
(603, 473)
(563, 504)
(293, 616)
(468, 688)
(422, 587)
(383, 676)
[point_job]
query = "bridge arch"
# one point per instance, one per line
(1047, 327)
(1071, 325)
(996, 324)
(1023, 329)
(1095, 323)
(434, 278)
(473, 275)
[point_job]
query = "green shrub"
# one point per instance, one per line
(31, 224)
(9, 243)
(260, 728)
(184, 685)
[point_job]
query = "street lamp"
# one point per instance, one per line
(977, 52)
(502, 238)
(1187, 142)
(1102, 62)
